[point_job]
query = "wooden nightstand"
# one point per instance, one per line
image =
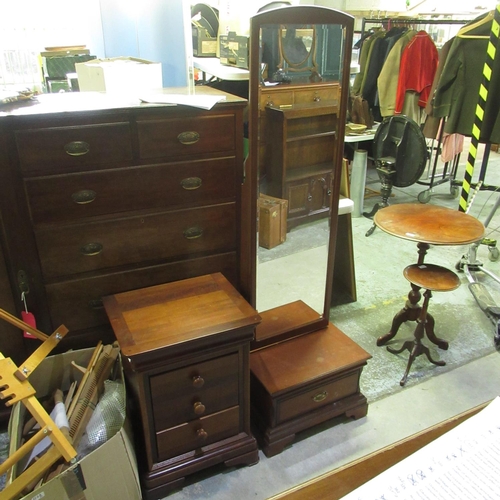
(185, 348)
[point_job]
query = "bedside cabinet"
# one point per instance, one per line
(185, 348)
(305, 381)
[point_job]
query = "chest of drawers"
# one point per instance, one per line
(101, 196)
(185, 347)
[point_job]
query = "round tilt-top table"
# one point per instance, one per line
(426, 225)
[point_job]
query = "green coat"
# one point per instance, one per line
(457, 93)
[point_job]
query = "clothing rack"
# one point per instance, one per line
(407, 20)
(448, 172)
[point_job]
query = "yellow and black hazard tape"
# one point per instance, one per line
(481, 105)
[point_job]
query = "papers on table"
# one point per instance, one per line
(461, 464)
(195, 100)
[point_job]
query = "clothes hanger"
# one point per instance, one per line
(466, 29)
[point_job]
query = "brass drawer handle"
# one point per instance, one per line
(84, 196)
(188, 138)
(192, 233)
(199, 408)
(96, 304)
(198, 382)
(190, 183)
(202, 434)
(91, 249)
(77, 148)
(320, 397)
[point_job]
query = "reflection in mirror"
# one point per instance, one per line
(296, 115)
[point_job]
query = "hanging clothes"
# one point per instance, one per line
(457, 93)
(432, 123)
(387, 82)
(364, 57)
(419, 62)
(375, 63)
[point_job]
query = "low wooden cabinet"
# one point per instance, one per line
(304, 381)
(302, 140)
(100, 195)
(186, 356)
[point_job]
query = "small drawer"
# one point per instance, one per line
(198, 433)
(74, 196)
(317, 396)
(176, 138)
(275, 99)
(79, 248)
(197, 390)
(317, 95)
(77, 304)
(69, 149)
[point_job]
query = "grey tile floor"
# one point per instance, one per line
(379, 262)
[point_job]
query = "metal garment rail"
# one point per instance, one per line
(449, 170)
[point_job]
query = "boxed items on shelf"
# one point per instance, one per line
(272, 221)
(92, 387)
(233, 50)
(119, 74)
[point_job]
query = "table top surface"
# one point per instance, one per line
(430, 224)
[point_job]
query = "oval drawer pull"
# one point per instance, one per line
(188, 138)
(202, 434)
(84, 196)
(96, 304)
(320, 397)
(190, 183)
(77, 148)
(198, 382)
(199, 408)
(91, 249)
(191, 233)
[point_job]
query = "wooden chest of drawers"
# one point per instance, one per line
(186, 355)
(99, 196)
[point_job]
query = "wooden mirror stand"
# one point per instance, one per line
(304, 370)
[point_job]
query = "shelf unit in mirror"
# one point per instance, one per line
(297, 114)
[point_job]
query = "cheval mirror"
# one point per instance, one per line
(303, 369)
(299, 81)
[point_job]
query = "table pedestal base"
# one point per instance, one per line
(412, 312)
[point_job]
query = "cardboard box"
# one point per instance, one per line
(119, 75)
(272, 221)
(233, 50)
(109, 472)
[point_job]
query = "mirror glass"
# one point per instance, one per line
(296, 137)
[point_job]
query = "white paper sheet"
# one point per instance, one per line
(195, 100)
(464, 463)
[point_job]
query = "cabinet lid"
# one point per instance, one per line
(177, 317)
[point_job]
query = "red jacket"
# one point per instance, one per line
(416, 72)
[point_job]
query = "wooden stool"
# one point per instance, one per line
(432, 278)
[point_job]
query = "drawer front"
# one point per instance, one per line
(77, 304)
(275, 98)
(194, 391)
(69, 149)
(198, 433)
(188, 136)
(75, 196)
(315, 95)
(79, 248)
(317, 397)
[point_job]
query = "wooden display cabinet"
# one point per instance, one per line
(300, 169)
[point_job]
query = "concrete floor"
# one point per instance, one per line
(380, 259)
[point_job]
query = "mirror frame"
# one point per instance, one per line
(300, 66)
(306, 15)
